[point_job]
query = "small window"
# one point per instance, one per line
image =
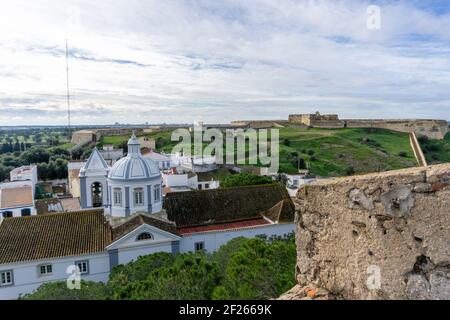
(45, 269)
(199, 246)
(117, 197)
(6, 278)
(7, 214)
(144, 236)
(157, 193)
(26, 212)
(138, 197)
(199, 187)
(83, 266)
(207, 186)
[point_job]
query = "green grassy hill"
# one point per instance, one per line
(327, 152)
(344, 151)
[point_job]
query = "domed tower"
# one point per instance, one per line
(134, 184)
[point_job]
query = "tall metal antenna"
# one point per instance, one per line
(68, 92)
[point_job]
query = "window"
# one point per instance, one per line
(6, 278)
(26, 212)
(199, 246)
(144, 236)
(97, 194)
(45, 269)
(117, 197)
(157, 193)
(206, 185)
(83, 266)
(199, 187)
(138, 197)
(7, 214)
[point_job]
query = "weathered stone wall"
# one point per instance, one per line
(434, 129)
(396, 221)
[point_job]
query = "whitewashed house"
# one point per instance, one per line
(17, 199)
(45, 247)
(25, 173)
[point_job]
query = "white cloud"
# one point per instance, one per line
(177, 61)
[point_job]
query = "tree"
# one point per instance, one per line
(59, 291)
(256, 268)
(244, 179)
(190, 276)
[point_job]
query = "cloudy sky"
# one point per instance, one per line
(171, 61)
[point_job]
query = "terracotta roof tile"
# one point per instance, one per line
(16, 197)
(138, 220)
(207, 207)
(224, 226)
(53, 235)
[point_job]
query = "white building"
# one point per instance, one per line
(164, 162)
(133, 184)
(49, 247)
(17, 199)
(25, 173)
(175, 181)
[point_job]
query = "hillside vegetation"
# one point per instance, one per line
(250, 269)
(436, 151)
(327, 152)
(342, 152)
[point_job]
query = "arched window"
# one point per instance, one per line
(138, 197)
(144, 236)
(117, 197)
(97, 194)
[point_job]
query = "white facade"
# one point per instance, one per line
(25, 173)
(26, 276)
(213, 240)
(180, 180)
(207, 185)
(17, 199)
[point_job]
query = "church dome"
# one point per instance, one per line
(134, 166)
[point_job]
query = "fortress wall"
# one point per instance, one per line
(434, 129)
(376, 236)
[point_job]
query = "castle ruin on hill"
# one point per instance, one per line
(433, 129)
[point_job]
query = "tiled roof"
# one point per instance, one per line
(206, 207)
(138, 220)
(53, 235)
(44, 206)
(283, 211)
(224, 226)
(16, 197)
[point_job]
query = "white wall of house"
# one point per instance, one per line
(207, 185)
(26, 276)
(213, 240)
(17, 211)
(25, 173)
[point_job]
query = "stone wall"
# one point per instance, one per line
(434, 129)
(395, 224)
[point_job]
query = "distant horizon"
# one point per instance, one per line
(219, 61)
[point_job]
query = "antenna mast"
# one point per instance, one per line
(68, 92)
